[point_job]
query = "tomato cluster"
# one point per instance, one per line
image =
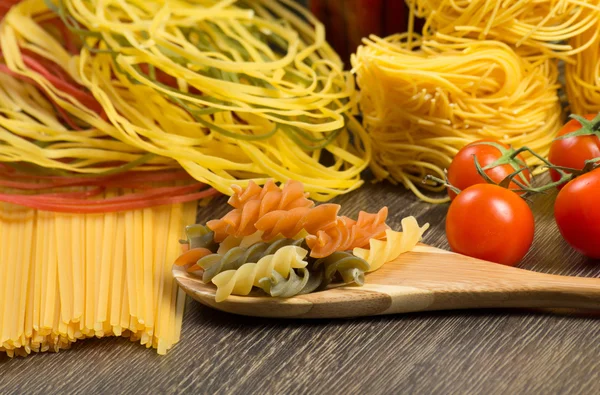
(489, 219)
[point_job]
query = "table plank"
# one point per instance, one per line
(486, 351)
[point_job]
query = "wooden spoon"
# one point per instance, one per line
(424, 279)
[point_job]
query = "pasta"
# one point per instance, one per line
(381, 252)
(581, 76)
(278, 286)
(539, 25)
(348, 234)
(244, 90)
(448, 92)
(241, 281)
(252, 203)
(294, 248)
(199, 236)
(234, 258)
(351, 268)
(293, 222)
(68, 277)
(272, 212)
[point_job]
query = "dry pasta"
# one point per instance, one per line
(271, 212)
(241, 281)
(348, 234)
(69, 276)
(244, 89)
(381, 252)
(445, 94)
(284, 266)
(540, 25)
(583, 76)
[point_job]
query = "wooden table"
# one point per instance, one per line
(486, 351)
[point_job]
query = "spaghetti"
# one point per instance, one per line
(71, 276)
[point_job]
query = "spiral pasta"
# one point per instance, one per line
(582, 77)
(351, 268)
(253, 202)
(382, 251)
(246, 241)
(278, 286)
(234, 258)
(241, 281)
(199, 236)
(447, 93)
(244, 90)
(348, 234)
(538, 25)
(295, 221)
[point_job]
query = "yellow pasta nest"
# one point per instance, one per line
(424, 100)
(539, 25)
(583, 76)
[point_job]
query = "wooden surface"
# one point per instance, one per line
(483, 351)
(424, 279)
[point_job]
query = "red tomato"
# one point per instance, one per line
(462, 172)
(489, 222)
(577, 213)
(573, 151)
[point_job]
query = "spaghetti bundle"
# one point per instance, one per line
(541, 25)
(227, 90)
(583, 76)
(424, 100)
(67, 277)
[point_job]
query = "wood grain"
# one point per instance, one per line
(424, 279)
(483, 351)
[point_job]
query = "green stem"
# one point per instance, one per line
(446, 183)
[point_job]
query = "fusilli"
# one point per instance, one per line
(278, 286)
(199, 236)
(383, 251)
(291, 223)
(350, 267)
(237, 256)
(253, 202)
(348, 234)
(241, 281)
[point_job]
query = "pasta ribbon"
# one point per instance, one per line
(396, 243)
(581, 76)
(230, 91)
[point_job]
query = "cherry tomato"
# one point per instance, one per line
(577, 213)
(489, 222)
(462, 172)
(573, 151)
